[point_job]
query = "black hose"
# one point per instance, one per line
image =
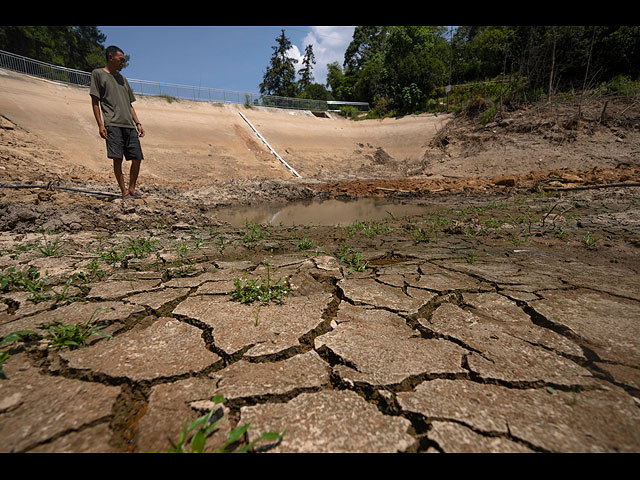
(48, 187)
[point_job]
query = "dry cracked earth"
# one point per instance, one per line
(501, 316)
(504, 324)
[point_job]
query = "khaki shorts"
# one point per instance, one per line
(123, 143)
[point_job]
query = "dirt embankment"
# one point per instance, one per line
(199, 155)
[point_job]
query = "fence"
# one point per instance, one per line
(36, 68)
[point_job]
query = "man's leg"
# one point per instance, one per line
(117, 170)
(133, 175)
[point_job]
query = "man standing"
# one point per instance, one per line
(110, 93)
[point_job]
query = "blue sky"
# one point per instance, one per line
(222, 57)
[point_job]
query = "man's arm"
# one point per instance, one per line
(138, 124)
(95, 104)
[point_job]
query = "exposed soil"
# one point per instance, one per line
(504, 319)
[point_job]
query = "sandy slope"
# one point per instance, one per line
(195, 142)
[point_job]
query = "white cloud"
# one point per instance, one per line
(329, 45)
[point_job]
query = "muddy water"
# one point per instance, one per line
(324, 213)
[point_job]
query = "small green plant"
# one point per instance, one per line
(141, 247)
(18, 336)
(28, 279)
(352, 258)
(470, 258)
(94, 271)
(368, 229)
(253, 234)
(260, 290)
(71, 336)
(590, 241)
(205, 425)
(64, 295)
(50, 248)
(305, 243)
(168, 98)
(113, 256)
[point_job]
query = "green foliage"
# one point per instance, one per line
(28, 279)
(71, 336)
(404, 68)
(368, 229)
(168, 98)
(253, 234)
(49, 248)
(279, 78)
(262, 290)
(18, 336)
(207, 424)
(78, 47)
(304, 243)
(621, 85)
(352, 258)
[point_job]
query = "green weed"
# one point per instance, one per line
(253, 234)
(141, 247)
(590, 241)
(368, 229)
(49, 248)
(305, 243)
(260, 290)
(18, 336)
(352, 258)
(470, 258)
(28, 279)
(71, 336)
(205, 425)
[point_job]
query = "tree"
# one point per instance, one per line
(78, 47)
(279, 78)
(367, 42)
(306, 77)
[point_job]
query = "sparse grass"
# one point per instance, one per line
(205, 425)
(368, 229)
(71, 336)
(141, 247)
(253, 234)
(352, 258)
(168, 98)
(470, 257)
(262, 290)
(50, 248)
(589, 241)
(28, 280)
(18, 336)
(305, 243)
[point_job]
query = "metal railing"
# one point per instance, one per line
(36, 68)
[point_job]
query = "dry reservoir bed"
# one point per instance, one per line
(504, 323)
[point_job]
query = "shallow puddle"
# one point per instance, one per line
(324, 213)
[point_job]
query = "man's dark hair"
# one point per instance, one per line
(112, 50)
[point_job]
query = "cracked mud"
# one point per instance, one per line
(468, 342)
(505, 317)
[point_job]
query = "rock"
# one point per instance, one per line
(507, 181)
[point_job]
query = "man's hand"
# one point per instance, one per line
(140, 130)
(103, 132)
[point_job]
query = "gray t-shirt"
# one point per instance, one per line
(115, 97)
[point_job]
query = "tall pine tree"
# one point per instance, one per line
(306, 77)
(280, 77)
